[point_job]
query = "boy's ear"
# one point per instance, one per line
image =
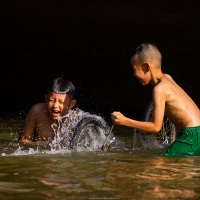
(146, 67)
(72, 103)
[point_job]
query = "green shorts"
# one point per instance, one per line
(188, 143)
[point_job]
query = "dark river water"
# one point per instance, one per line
(144, 174)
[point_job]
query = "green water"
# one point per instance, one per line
(140, 174)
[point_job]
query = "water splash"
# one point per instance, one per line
(148, 141)
(80, 131)
(76, 131)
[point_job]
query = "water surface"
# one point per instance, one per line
(38, 173)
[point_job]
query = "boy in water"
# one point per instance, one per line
(59, 99)
(169, 99)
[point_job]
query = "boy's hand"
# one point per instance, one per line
(26, 141)
(117, 118)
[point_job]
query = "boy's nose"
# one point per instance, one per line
(55, 104)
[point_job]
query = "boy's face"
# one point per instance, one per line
(140, 71)
(58, 104)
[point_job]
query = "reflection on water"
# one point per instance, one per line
(117, 174)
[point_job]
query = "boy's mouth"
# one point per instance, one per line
(55, 113)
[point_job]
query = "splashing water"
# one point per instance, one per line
(80, 131)
(76, 131)
(145, 141)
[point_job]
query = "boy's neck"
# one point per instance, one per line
(156, 76)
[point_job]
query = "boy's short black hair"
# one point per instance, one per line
(62, 86)
(144, 46)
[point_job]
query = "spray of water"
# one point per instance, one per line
(76, 131)
(145, 141)
(80, 131)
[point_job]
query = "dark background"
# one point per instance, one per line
(90, 43)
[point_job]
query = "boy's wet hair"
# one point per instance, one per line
(62, 86)
(148, 51)
(145, 47)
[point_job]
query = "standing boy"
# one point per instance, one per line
(169, 99)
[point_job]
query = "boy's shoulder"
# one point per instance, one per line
(164, 84)
(166, 79)
(38, 107)
(167, 76)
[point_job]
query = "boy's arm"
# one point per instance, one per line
(119, 119)
(28, 128)
(151, 127)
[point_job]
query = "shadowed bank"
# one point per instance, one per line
(90, 43)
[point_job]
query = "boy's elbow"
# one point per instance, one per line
(156, 129)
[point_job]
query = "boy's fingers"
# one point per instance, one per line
(114, 115)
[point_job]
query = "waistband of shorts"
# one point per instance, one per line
(192, 128)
